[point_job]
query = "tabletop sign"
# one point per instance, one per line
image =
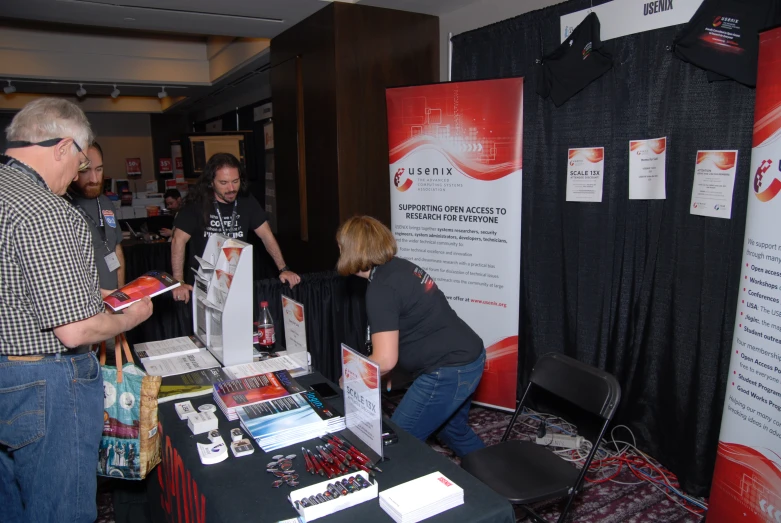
(295, 330)
(133, 166)
(166, 165)
(362, 412)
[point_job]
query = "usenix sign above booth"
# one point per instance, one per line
(625, 17)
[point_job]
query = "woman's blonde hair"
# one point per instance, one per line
(364, 243)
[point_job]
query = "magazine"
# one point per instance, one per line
(150, 284)
(281, 422)
(253, 389)
(155, 350)
(190, 385)
(180, 364)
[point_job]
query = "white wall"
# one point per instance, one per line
(478, 14)
(123, 135)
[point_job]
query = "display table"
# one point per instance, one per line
(239, 489)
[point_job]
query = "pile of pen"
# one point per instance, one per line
(334, 490)
(337, 457)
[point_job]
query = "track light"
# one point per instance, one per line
(81, 91)
(162, 94)
(115, 92)
(9, 88)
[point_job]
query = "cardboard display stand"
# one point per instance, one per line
(222, 300)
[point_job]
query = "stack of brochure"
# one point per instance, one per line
(286, 362)
(421, 498)
(190, 385)
(174, 356)
(286, 421)
(231, 394)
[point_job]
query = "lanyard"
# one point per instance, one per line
(233, 217)
(100, 227)
(26, 169)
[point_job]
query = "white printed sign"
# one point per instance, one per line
(625, 17)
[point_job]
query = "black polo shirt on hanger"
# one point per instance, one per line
(577, 62)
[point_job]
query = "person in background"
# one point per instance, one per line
(51, 396)
(413, 326)
(215, 205)
(98, 212)
(173, 204)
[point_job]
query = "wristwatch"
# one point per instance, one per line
(283, 269)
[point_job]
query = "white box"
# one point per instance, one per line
(335, 505)
(202, 422)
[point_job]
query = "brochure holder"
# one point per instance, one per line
(222, 300)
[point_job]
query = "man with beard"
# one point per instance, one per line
(215, 205)
(98, 211)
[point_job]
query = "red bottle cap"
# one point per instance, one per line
(264, 304)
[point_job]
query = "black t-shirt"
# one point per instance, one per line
(577, 62)
(722, 37)
(402, 297)
(249, 216)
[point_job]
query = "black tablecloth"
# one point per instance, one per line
(239, 489)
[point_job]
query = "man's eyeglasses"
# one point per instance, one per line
(83, 166)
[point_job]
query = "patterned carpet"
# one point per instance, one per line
(603, 503)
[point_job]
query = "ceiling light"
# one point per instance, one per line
(81, 91)
(115, 92)
(8, 89)
(162, 94)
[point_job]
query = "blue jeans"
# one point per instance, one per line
(440, 401)
(51, 421)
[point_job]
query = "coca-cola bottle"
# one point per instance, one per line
(266, 337)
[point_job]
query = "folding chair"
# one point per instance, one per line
(525, 472)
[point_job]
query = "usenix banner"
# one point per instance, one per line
(455, 175)
(747, 478)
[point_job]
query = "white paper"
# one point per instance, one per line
(295, 327)
(647, 169)
(362, 412)
(714, 181)
(154, 350)
(262, 367)
(180, 364)
(585, 174)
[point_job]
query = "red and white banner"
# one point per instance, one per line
(165, 165)
(747, 478)
(133, 166)
(455, 175)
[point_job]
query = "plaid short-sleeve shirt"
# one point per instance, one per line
(48, 275)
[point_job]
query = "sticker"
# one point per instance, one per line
(127, 400)
(153, 432)
(109, 394)
(108, 217)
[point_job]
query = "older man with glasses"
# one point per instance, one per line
(51, 389)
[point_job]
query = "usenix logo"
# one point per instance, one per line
(397, 180)
(765, 191)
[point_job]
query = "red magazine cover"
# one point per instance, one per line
(150, 284)
(245, 391)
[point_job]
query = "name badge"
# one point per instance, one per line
(112, 261)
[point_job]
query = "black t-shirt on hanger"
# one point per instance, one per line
(577, 62)
(722, 37)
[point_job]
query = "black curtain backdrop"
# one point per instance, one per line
(334, 312)
(642, 289)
